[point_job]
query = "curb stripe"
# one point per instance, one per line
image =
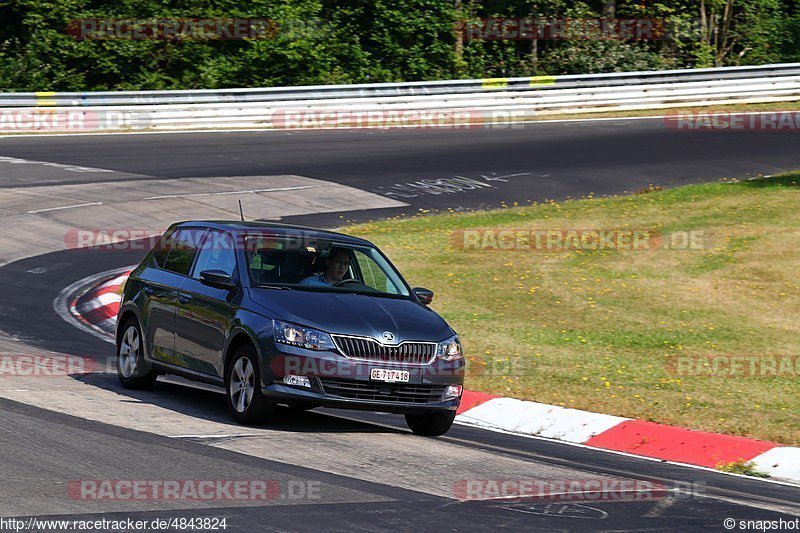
(104, 299)
(532, 418)
(781, 462)
(678, 444)
(100, 314)
(116, 282)
(470, 399)
(109, 325)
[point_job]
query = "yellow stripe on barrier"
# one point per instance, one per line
(495, 83)
(44, 99)
(543, 80)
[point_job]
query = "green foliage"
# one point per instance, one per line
(741, 467)
(588, 57)
(357, 41)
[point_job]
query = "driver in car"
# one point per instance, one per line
(335, 268)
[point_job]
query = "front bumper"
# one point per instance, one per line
(278, 392)
(340, 382)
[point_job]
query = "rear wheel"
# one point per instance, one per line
(132, 369)
(431, 424)
(243, 385)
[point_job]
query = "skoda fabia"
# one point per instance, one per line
(288, 315)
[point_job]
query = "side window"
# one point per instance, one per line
(373, 275)
(183, 250)
(217, 253)
(161, 249)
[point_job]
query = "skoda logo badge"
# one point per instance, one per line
(388, 336)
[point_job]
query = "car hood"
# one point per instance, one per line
(354, 314)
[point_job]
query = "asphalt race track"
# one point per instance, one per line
(540, 161)
(372, 474)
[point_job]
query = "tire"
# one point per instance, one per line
(243, 388)
(132, 370)
(431, 424)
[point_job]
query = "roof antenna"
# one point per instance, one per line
(241, 213)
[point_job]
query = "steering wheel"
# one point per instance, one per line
(343, 282)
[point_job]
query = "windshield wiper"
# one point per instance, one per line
(267, 286)
(345, 290)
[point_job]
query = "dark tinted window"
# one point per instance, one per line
(217, 253)
(288, 260)
(183, 249)
(161, 249)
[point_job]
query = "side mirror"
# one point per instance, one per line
(424, 295)
(217, 279)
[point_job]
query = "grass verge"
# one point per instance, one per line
(601, 330)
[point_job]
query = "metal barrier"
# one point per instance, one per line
(439, 103)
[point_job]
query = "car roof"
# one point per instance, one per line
(237, 226)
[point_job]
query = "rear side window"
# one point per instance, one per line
(183, 248)
(218, 253)
(161, 249)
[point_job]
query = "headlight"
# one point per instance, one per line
(301, 336)
(450, 350)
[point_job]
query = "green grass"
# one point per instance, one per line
(741, 467)
(594, 330)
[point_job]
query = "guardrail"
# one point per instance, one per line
(446, 103)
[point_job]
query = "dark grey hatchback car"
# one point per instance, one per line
(288, 315)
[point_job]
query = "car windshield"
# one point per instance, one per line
(278, 261)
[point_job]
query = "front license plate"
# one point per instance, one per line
(389, 376)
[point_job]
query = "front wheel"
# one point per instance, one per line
(131, 367)
(243, 386)
(431, 424)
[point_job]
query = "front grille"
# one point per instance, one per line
(418, 353)
(383, 392)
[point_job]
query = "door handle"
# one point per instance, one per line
(184, 299)
(148, 290)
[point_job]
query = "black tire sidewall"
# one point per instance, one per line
(134, 382)
(258, 410)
